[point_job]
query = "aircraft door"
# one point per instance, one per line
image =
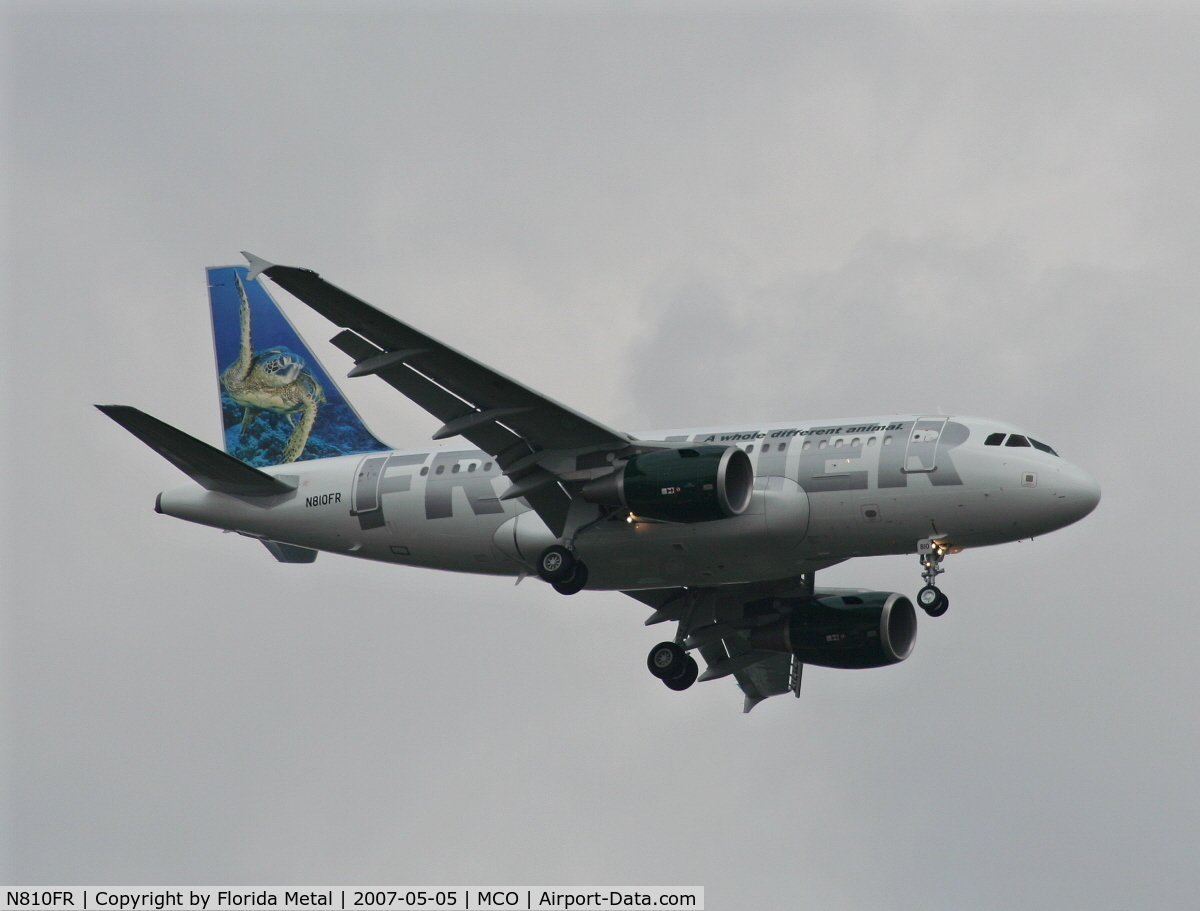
(366, 483)
(920, 453)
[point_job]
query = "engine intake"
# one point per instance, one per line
(696, 484)
(863, 629)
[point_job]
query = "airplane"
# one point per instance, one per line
(720, 530)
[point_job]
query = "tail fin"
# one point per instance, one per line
(277, 402)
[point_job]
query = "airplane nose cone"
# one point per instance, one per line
(1079, 491)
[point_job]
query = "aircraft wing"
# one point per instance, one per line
(717, 622)
(504, 418)
(772, 676)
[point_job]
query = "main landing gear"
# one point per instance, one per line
(562, 570)
(672, 665)
(930, 597)
(667, 660)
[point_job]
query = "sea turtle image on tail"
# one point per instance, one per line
(275, 380)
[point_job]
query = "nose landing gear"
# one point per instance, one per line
(930, 597)
(933, 600)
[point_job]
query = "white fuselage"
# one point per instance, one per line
(824, 492)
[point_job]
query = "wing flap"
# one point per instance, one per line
(773, 676)
(290, 553)
(485, 432)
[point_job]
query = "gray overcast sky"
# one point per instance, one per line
(661, 217)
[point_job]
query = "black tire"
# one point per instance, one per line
(929, 596)
(576, 583)
(943, 605)
(687, 676)
(666, 660)
(556, 564)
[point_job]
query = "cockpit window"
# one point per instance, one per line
(1017, 440)
(994, 439)
(1042, 446)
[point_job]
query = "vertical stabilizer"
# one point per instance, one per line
(278, 404)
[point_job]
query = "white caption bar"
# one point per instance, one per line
(460, 898)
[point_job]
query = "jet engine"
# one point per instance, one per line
(697, 484)
(862, 629)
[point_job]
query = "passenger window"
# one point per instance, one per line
(487, 466)
(454, 470)
(439, 469)
(871, 441)
(994, 439)
(750, 448)
(837, 443)
(425, 471)
(471, 467)
(887, 441)
(823, 444)
(856, 442)
(766, 447)
(1017, 440)
(1042, 446)
(807, 446)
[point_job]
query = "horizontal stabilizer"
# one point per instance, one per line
(206, 465)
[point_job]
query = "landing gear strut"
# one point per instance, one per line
(930, 597)
(672, 665)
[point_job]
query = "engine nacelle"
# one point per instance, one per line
(862, 629)
(696, 484)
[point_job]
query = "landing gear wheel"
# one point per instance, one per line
(940, 608)
(933, 601)
(578, 579)
(686, 677)
(667, 660)
(556, 564)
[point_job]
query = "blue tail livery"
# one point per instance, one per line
(278, 404)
